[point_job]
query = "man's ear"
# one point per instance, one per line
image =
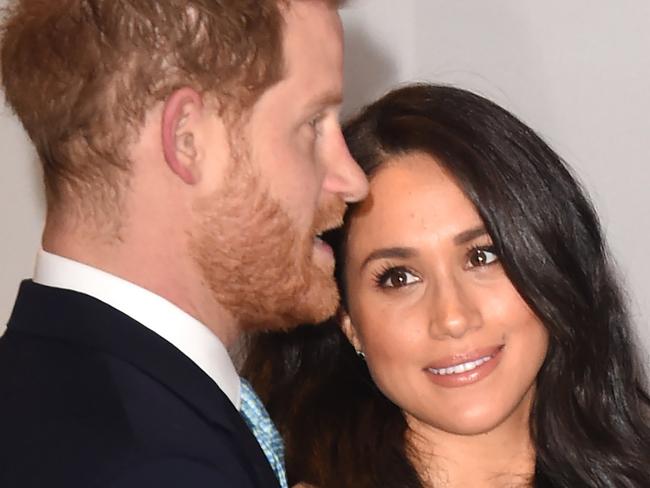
(182, 114)
(349, 331)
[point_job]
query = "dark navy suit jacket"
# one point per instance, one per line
(91, 398)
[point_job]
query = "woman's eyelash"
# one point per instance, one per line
(482, 255)
(379, 276)
(482, 247)
(383, 274)
(477, 255)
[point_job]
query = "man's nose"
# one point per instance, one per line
(344, 176)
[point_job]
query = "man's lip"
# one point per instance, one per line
(465, 357)
(323, 247)
(327, 229)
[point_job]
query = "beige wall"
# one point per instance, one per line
(21, 210)
(576, 71)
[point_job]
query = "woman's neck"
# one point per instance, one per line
(504, 457)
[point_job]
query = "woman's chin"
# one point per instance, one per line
(473, 421)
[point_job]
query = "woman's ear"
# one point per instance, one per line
(180, 134)
(350, 332)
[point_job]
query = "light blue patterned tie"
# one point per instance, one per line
(268, 437)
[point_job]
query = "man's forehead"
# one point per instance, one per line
(311, 19)
(313, 54)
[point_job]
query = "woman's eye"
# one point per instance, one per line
(481, 257)
(396, 278)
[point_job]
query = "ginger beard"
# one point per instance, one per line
(258, 265)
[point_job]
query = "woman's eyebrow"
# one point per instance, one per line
(470, 234)
(389, 252)
(409, 252)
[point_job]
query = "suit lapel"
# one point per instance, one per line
(83, 320)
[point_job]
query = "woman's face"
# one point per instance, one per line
(446, 335)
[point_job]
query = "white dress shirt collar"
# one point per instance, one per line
(164, 318)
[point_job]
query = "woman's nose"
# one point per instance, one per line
(454, 311)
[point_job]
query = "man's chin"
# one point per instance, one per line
(315, 306)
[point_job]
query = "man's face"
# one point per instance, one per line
(290, 176)
(296, 139)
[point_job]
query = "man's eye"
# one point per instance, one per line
(315, 122)
(395, 278)
(481, 256)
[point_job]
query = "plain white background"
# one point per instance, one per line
(577, 71)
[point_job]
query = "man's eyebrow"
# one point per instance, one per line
(470, 234)
(389, 252)
(327, 99)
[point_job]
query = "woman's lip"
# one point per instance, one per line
(456, 359)
(471, 376)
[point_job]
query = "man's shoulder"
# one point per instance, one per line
(58, 398)
(173, 472)
(135, 471)
(71, 413)
(86, 390)
(67, 386)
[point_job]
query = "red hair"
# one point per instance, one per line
(81, 74)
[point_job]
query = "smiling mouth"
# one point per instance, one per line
(464, 366)
(461, 368)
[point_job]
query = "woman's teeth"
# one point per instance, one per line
(461, 368)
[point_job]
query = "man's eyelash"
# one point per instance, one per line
(315, 121)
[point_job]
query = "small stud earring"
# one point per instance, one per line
(362, 355)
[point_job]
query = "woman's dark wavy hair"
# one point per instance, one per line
(589, 420)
